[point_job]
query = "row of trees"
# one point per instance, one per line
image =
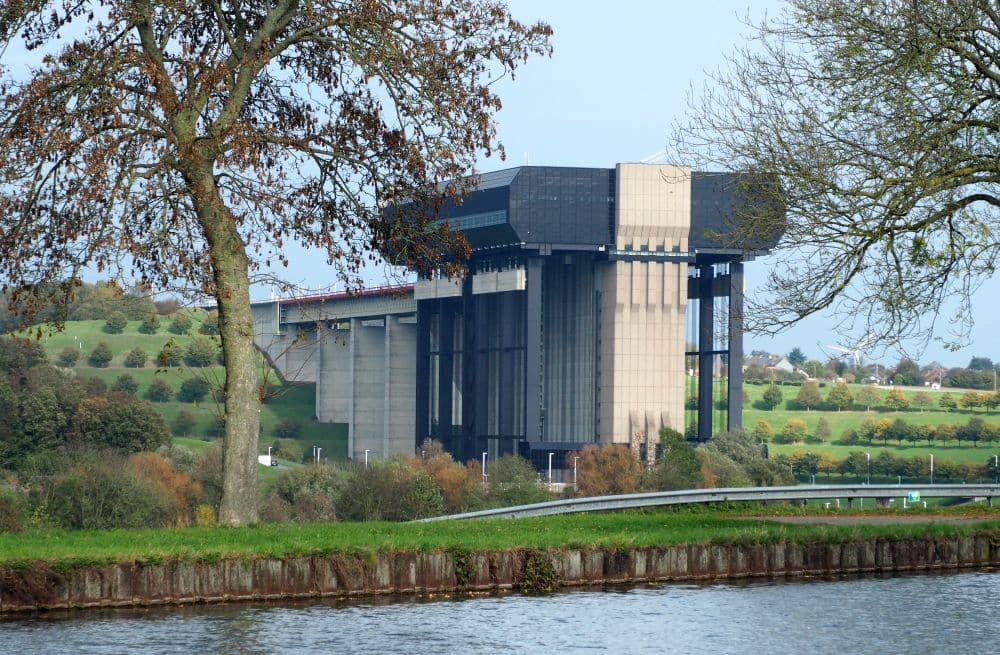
(180, 325)
(840, 397)
(974, 431)
(885, 465)
(199, 353)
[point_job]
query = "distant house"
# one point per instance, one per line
(783, 365)
(933, 374)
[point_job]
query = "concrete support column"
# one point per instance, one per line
(706, 319)
(533, 403)
(422, 419)
(446, 368)
(470, 372)
(735, 390)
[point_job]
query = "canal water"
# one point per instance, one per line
(942, 613)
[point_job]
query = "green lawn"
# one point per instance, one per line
(624, 529)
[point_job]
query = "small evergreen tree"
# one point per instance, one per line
(763, 431)
(136, 358)
(193, 390)
(100, 356)
(125, 384)
(210, 325)
(823, 429)
(150, 324)
(183, 423)
(200, 353)
(116, 323)
(947, 401)
(808, 395)
(181, 323)
(170, 355)
(772, 396)
(68, 357)
(159, 391)
(840, 396)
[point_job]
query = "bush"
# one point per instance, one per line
(68, 357)
(100, 356)
(150, 324)
(170, 354)
(305, 494)
(606, 469)
(289, 449)
(100, 493)
(200, 353)
(210, 325)
(119, 421)
(136, 358)
(181, 323)
(183, 423)
(115, 323)
(772, 396)
(125, 383)
(678, 468)
(178, 493)
(193, 390)
(793, 430)
(12, 511)
(763, 431)
(287, 428)
(513, 481)
(390, 491)
(159, 391)
(823, 431)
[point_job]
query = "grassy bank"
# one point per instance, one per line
(610, 530)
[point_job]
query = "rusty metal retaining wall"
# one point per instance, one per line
(34, 587)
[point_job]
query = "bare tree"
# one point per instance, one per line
(879, 119)
(192, 139)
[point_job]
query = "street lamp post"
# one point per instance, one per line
(484, 468)
(550, 468)
(577, 459)
(868, 456)
(932, 468)
(315, 456)
(996, 476)
(366, 458)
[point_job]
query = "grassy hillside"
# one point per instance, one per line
(292, 402)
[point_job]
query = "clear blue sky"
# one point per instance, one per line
(617, 80)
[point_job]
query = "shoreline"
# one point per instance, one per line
(44, 586)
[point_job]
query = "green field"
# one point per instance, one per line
(294, 401)
(606, 530)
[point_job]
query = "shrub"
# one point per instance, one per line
(193, 390)
(159, 391)
(170, 354)
(183, 423)
(390, 491)
(99, 493)
(304, 494)
(179, 493)
(793, 430)
(100, 356)
(181, 323)
(763, 431)
(808, 395)
(200, 353)
(150, 324)
(288, 428)
(68, 357)
(678, 468)
(136, 358)
(606, 469)
(289, 449)
(513, 481)
(119, 421)
(12, 511)
(210, 325)
(115, 323)
(125, 383)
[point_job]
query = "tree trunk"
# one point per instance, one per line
(227, 252)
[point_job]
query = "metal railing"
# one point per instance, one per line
(699, 496)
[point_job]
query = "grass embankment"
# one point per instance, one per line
(606, 530)
(296, 401)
